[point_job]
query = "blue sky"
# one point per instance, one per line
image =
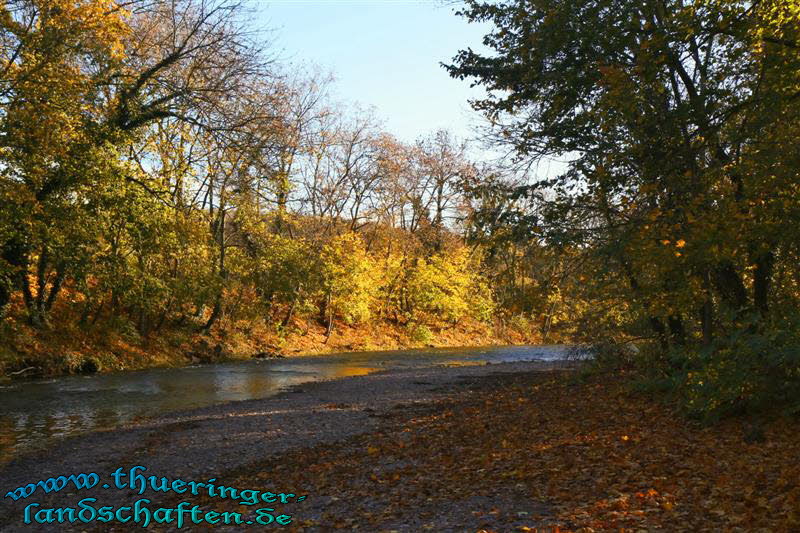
(384, 54)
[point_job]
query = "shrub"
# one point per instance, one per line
(520, 324)
(420, 334)
(747, 372)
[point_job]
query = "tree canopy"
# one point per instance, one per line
(679, 122)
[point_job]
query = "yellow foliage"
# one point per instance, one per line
(350, 278)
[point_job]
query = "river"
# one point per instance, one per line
(34, 413)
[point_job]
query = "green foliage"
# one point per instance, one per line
(420, 333)
(521, 324)
(282, 270)
(748, 372)
(679, 200)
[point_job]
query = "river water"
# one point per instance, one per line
(33, 413)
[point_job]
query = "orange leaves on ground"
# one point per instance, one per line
(532, 453)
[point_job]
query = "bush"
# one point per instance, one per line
(520, 324)
(748, 372)
(420, 334)
(74, 363)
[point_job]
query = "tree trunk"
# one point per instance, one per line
(5, 296)
(98, 312)
(677, 331)
(219, 233)
(142, 324)
(762, 277)
(163, 317)
(215, 314)
(14, 252)
(289, 313)
(706, 313)
(655, 323)
(329, 328)
(34, 318)
(730, 286)
(55, 289)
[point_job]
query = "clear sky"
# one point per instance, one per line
(384, 54)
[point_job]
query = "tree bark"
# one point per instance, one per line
(762, 278)
(730, 286)
(706, 313)
(677, 331)
(215, 314)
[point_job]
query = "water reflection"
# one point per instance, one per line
(35, 412)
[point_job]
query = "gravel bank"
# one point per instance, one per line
(205, 443)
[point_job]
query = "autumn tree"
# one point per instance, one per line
(52, 117)
(667, 112)
(82, 80)
(443, 167)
